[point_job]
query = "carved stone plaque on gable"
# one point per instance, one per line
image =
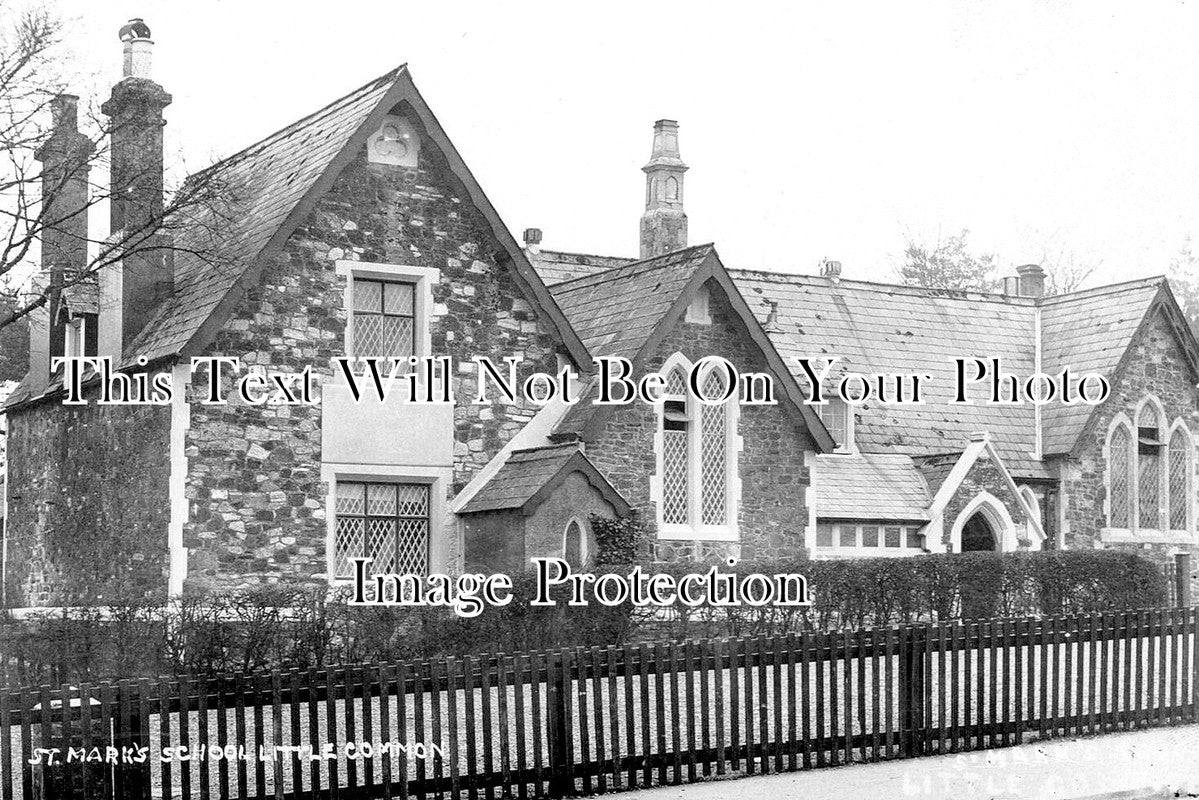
(396, 142)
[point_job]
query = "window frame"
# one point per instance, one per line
(1134, 531)
(859, 549)
(848, 446)
(437, 479)
(423, 280)
(395, 517)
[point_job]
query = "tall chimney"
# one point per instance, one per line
(664, 225)
(1032, 280)
(66, 160)
(135, 111)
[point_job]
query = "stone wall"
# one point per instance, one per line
(257, 501)
(1156, 365)
(984, 476)
(772, 513)
(88, 503)
(545, 527)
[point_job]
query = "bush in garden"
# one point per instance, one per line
(305, 627)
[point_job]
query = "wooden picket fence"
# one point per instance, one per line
(559, 723)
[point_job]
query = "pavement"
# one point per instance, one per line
(1163, 762)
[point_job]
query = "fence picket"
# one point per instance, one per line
(705, 708)
(452, 668)
(848, 695)
(488, 724)
(734, 705)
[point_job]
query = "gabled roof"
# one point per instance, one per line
(616, 311)
(626, 311)
(528, 477)
(1090, 331)
(874, 486)
(275, 183)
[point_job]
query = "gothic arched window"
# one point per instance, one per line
(1178, 493)
(1119, 485)
(1149, 471)
(695, 482)
(1149, 467)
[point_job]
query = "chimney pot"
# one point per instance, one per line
(1032, 280)
(64, 113)
(138, 45)
(831, 270)
(532, 236)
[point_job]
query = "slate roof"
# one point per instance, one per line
(266, 181)
(556, 267)
(615, 311)
(882, 486)
(879, 328)
(526, 472)
(269, 183)
(1088, 331)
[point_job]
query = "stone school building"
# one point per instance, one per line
(361, 232)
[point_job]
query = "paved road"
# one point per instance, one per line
(1158, 763)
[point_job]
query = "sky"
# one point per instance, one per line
(830, 130)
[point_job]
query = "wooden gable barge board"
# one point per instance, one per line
(402, 91)
(713, 268)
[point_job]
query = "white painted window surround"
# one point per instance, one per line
(838, 417)
(696, 487)
(423, 280)
(437, 479)
(1149, 466)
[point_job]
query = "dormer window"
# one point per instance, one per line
(838, 418)
(75, 334)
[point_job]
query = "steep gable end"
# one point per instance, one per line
(274, 185)
(625, 312)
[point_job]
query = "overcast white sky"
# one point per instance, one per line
(824, 130)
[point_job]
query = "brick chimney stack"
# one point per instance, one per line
(66, 160)
(664, 225)
(135, 113)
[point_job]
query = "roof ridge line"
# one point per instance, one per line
(643, 262)
(963, 294)
(1107, 287)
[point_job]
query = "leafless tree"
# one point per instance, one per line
(947, 263)
(32, 75)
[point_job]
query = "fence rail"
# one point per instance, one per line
(604, 719)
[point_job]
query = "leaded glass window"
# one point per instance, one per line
(1149, 468)
(1180, 466)
(695, 459)
(1119, 455)
(384, 319)
(676, 449)
(714, 432)
(385, 522)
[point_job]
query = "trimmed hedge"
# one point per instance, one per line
(279, 626)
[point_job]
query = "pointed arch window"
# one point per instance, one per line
(1149, 475)
(1120, 488)
(1178, 459)
(1149, 467)
(695, 487)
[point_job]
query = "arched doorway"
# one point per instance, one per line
(983, 525)
(977, 534)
